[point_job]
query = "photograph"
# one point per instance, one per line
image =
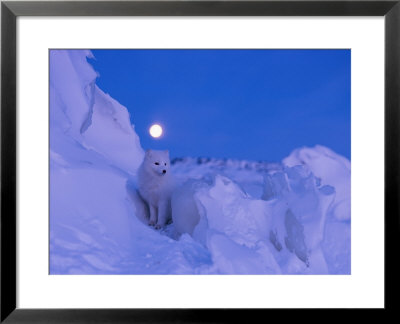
(199, 161)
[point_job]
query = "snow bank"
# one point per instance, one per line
(79, 110)
(97, 220)
(236, 230)
(332, 169)
(93, 149)
(301, 206)
(291, 230)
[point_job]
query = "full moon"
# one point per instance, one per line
(155, 130)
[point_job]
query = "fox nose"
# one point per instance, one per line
(164, 171)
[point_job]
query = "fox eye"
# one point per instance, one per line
(165, 163)
(157, 163)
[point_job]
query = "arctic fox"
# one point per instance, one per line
(155, 185)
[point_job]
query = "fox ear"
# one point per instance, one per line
(148, 152)
(166, 152)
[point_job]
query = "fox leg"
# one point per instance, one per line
(162, 214)
(153, 215)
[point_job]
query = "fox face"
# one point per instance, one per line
(157, 161)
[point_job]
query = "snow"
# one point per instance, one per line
(229, 216)
(332, 169)
(80, 111)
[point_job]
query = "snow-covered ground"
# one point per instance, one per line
(243, 217)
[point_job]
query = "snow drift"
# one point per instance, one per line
(230, 217)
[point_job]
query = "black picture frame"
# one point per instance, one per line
(10, 10)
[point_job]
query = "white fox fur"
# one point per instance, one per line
(155, 184)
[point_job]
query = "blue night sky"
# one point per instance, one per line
(242, 104)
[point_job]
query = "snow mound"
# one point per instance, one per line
(301, 206)
(79, 110)
(93, 149)
(235, 228)
(290, 231)
(332, 169)
(97, 220)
